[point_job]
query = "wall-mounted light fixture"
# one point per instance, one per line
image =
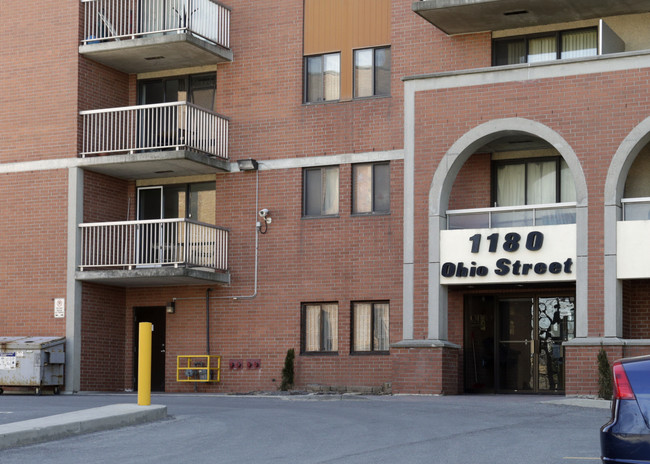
(170, 307)
(247, 164)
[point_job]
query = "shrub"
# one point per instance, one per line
(287, 372)
(604, 375)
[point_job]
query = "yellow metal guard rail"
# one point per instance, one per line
(198, 368)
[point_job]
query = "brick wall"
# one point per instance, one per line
(32, 252)
(636, 309)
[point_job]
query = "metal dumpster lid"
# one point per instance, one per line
(28, 343)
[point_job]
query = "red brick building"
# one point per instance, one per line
(426, 197)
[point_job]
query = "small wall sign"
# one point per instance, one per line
(59, 308)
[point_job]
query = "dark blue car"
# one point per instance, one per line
(626, 437)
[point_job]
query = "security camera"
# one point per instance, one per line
(263, 213)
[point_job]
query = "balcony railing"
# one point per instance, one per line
(636, 209)
(512, 216)
(153, 243)
(165, 126)
(110, 20)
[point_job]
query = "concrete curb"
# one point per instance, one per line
(582, 403)
(77, 423)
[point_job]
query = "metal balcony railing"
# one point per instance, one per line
(110, 20)
(153, 243)
(512, 216)
(165, 126)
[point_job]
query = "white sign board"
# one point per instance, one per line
(59, 307)
(508, 255)
(7, 361)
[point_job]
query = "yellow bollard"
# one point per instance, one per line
(144, 364)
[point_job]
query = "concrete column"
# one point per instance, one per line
(409, 219)
(437, 293)
(613, 287)
(73, 288)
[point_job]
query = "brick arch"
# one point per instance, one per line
(617, 173)
(440, 192)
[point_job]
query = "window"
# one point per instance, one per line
(322, 77)
(321, 191)
(554, 46)
(371, 72)
(370, 327)
(198, 89)
(319, 327)
(370, 188)
(532, 181)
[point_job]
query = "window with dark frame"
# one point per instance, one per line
(198, 89)
(371, 188)
(322, 78)
(370, 327)
(531, 181)
(321, 191)
(319, 328)
(371, 72)
(558, 45)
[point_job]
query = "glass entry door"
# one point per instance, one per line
(515, 344)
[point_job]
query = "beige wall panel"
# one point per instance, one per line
(342, 26)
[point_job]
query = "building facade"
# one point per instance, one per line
(417, 197)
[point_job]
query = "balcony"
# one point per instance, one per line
(512, 216)
(161, 252)
(162, 140)
(632, 244)
(137, 36)
(469, 16)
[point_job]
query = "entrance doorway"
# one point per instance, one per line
(514, 344)
(157, 316)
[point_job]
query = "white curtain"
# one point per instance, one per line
(312, 328)
(330, 191)
(576, 44)
(332, 76)
(511, 185)
(542, 182)
(542, 49)
(362, 318)
(567, 186)
(362, 188)
(381, 326)
(517, 52)
(330, 327)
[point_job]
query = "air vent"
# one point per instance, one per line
(151, 58)
(517, 12)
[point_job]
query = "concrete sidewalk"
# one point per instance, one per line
(76, 423)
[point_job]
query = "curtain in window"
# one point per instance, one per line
(363, 79)
(330, 191)
(576, 44)
(362, 320)
(314, 79)
(567, 186)
(331, 76)
(516, 52)
(362, 185)
(542, 49)
(542, 182)
(329, 315)
(511, 184)
(312, 328)
(381, 326)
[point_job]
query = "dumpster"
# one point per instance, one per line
(36, 362)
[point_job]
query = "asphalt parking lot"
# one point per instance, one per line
(323, 429)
